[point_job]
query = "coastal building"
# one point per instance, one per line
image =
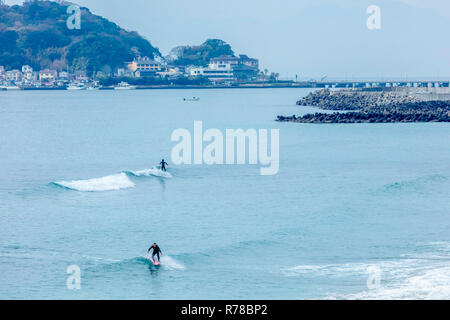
(194, 71)
(243, 72)
(217, 71)
(13, 75)
(247, 68)
(249, 62)
(27, 69)
(220, 71)
(233, 62)
(143, 67)
(48, 76)
(120, 72)
(28, 75)
(101, 74)
(63, 75)
(223, 62)
(227, 69)
(81, 76)
(170, 72)
(2, 73)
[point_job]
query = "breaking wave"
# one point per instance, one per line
(169, 263)
(112, 182)
(108, 183)
(413, 276)
(155, 172)
(422, 284)
(133, 264)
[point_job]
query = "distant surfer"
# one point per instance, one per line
(156, 251)
(163, 165)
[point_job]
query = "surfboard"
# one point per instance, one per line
(155, 263)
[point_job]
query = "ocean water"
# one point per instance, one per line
(350, 204)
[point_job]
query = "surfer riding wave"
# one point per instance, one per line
(156, 251)
(163, 165)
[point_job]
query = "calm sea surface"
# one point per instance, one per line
(351, 204)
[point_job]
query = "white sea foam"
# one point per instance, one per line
(418, 283)
(170, 263)
(151, 172)
(108, 183)
(423, 275)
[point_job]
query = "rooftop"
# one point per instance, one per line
(145, 60)
(224, 58)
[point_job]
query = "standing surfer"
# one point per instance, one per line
(156, 251)
(163, 165)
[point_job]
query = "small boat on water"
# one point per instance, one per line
(76, 86)
(124, 86)
(10, 88)
(94, 86)
(191, 99)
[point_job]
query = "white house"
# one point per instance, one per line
(219, 75)
(27, 69)
(28, 74)
(219, 69)
(63, 75)
(48, 75)
(193, 71)
(224, 62)
(14, 75)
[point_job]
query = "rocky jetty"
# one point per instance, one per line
(370, 107)
(355, 99)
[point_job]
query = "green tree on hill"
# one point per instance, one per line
(36, 33)
(200, 55)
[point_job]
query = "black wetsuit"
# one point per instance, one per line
(156, 251)
(163, 165)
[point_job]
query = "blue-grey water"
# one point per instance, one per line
(351, 202)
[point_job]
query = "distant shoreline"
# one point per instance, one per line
(362, 85)
(184, 87)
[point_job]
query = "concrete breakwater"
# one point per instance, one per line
(370, 107)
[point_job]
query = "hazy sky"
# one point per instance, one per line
(311, 38)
